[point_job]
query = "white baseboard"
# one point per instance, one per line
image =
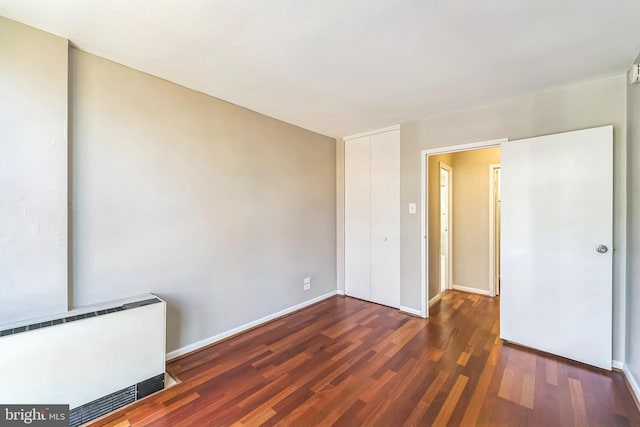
(226, 334)
(472, 290)
(632, 381)
(340, 291)
(616, 364)
(411, 311)
(435, 299)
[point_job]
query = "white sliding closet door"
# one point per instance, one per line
(357, 217)
(385, 218)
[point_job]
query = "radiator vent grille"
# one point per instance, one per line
(111, 402)
(99, 407)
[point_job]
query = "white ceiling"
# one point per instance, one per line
(344, 66)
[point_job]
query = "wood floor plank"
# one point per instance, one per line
(155, 414)
(119, 422)
(415, 418)
(452, 400)
(347, 362)
(577, 403)
(552, 372)
(397, 403)
(506, 385)
(477, 400)
(463, 359)
(265, 411)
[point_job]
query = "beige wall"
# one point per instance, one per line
(633, 283)
(433, 204)
(33, 172)
(569, 108)
(220, 210)
(471, 251)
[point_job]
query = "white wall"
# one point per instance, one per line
(568, 108)
(219, 210)
(633, 283)
(33, 172)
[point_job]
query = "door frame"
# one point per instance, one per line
(492, 228)
(449, 169)
(424, 217)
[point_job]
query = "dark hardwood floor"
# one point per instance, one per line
(346, 362)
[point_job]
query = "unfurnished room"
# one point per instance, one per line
(317, 213)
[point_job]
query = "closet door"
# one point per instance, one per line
(385, 218)
(357, 218)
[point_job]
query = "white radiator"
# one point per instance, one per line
(85, 354)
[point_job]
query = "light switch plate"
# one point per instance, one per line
(634, 74)
(412, 208)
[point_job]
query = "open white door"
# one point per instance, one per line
(556, 258)
(446, 173)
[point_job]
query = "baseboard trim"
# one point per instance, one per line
(340, 292)
(616, 364)
(435, 299)
(633, 385)
(411, 311)
(242, 328)
(471, 290)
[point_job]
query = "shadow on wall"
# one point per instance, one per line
(173, 322)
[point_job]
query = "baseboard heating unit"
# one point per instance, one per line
(95, 359)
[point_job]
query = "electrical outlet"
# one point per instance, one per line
(307, 286)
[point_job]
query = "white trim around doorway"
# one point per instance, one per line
(424, 251)
(492, 229)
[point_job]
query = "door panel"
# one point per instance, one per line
(496, 228)
(556, 206)
(385, 218)
(445, 222)
(357, 218)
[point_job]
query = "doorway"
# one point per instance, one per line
(446, 183)
(542, 247)
(448, 263)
